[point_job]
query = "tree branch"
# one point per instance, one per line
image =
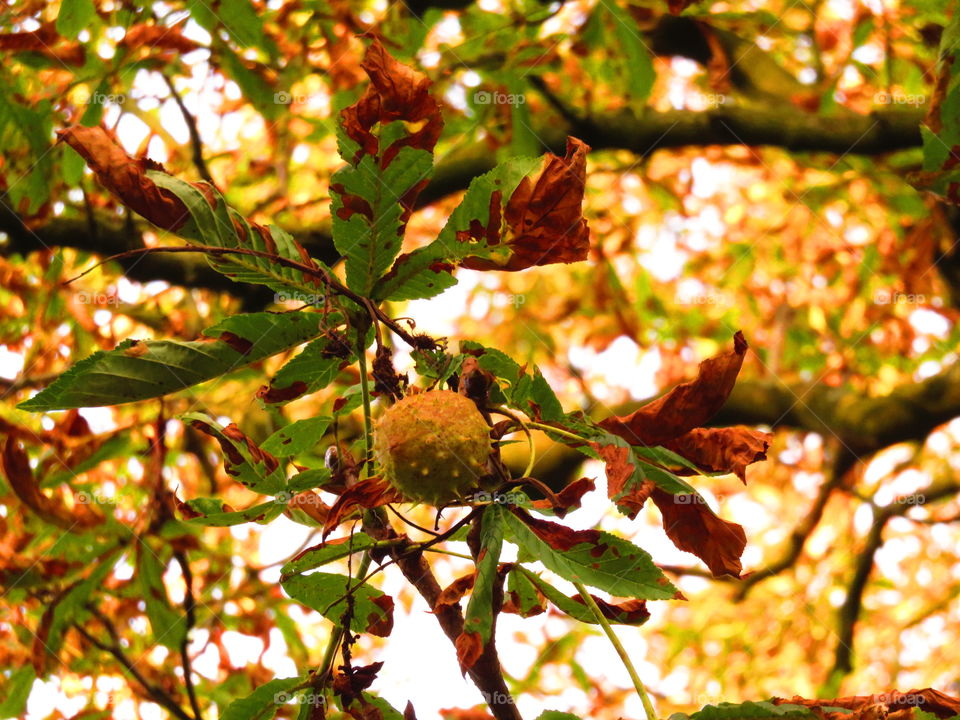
(853, 604)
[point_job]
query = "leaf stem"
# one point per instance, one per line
(336, 637)
(558, 431)
(621, 651)
(365, 395)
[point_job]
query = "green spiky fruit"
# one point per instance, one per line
(433, 447)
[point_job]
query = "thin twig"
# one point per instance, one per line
(189, 609)
(155, 693)
(621, 651)
(195, 143)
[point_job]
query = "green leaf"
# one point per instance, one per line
(327, 552)
(264, 702)
(531, 394)
(298, 437)
(326, 593)
(478, 617)
(754, 710)
(574, 606)
(71, 605)
(242, 460)
(523, 592)
(308, 480)
(556, 715)
(169, 625)
(637, 61)
(74, 16)
(241, 21)
(215, 516)
(311, 370)
(370, 236)
(253, 86)
(144, 369)
(16, 692)
(591, 557)
(219, 228)
(424, 273)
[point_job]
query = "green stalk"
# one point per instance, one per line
(336, 637)
(365, 394)
(621, 651)
(558, 431)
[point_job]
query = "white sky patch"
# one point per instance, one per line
(930, 322)
(623, 364)
(11, 363)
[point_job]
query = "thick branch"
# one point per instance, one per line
(486, 672)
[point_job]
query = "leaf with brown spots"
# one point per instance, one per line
(372, 611)
(242, 458)
(622, 612)
(144, 369)
(693, 527)
(479, 619)
(544, 219)
(592, 557)
(687, 406)
(540, 224)
(198, 213)
(387, 138)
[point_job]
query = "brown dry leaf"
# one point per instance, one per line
(544, 219)
(370, 493)
(693, 527)
(687, 406)
(469, 649)
(619, 470)
(46, 41)
(396, 93)
(125, 176)
(16, 467)
(158, 37)
(454, 592)
(569, 498)
(728, 449)
(310, 503)
(894, 701)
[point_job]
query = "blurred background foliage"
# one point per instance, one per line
(749, 171)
